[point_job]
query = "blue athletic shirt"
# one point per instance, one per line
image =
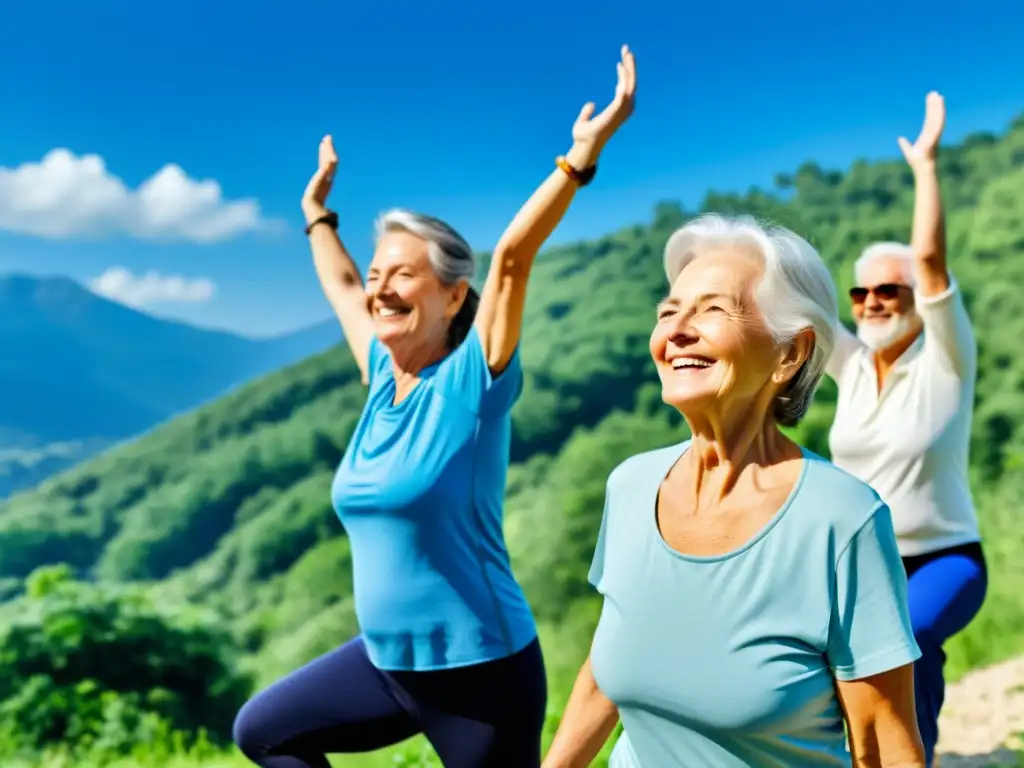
(730, 660)
(419, 492)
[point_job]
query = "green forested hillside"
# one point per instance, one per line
(228, 507)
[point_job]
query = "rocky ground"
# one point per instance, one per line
(983, 718)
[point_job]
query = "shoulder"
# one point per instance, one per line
(841, 502)
(951, 296)
(467, 363)
(645, 469)
(630, 488)
(849, 370)
(945, 314)
(465, 376)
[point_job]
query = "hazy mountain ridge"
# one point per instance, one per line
(79, 373)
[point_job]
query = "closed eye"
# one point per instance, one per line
(714, 308)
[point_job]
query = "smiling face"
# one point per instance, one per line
(409, 305)
(883, 303)
(711, 346)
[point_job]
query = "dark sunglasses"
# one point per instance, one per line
(885, 291)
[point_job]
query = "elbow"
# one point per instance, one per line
(931, 256)
(513, 260)
(899, 747)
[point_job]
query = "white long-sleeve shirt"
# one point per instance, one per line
(910, 441)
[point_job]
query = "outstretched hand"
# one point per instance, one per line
(924, 150)
(320, 184)
(595, 130)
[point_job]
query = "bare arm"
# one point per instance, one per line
(499, 318)
(941, 309)
(881, 720)
(588, 721)
(929, 233)
(339, 276)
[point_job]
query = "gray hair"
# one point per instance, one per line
(898, 252)
(796, 293)
(450, 257)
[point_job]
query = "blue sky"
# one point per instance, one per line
(456, 109)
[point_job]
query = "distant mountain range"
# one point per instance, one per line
(79, 373)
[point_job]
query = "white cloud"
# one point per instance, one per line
(65, 196)
(118, 284)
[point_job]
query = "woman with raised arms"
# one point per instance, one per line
(447, 645)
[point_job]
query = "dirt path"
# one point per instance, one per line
(983, 718)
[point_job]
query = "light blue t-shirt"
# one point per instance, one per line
(419, 491)
(731, 660)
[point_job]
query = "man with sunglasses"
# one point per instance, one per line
(903, 420)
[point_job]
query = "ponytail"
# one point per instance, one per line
(793, 401)
(461, 324)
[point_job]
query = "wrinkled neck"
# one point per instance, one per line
(409, 357)
(725, 444)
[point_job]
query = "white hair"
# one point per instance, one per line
(451, 258)
(898, 252)
(450, 255)
(795, 293)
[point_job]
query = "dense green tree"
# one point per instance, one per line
(228, 507)
(105, 669)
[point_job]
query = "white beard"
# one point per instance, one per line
(878, 336)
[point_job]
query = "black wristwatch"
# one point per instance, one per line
(330, 219)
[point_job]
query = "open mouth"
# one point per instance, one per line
(388, 313)
(691, 363)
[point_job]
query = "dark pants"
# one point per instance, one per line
(489, 714)
(946, 590)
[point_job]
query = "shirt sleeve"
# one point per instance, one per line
(948, 332)
(597, 563)
(869, 629)
(466, 376)
(846, 346)
(377, 364)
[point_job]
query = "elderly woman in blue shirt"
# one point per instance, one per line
(755, 605)
(447, 645)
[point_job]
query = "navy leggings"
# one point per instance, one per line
(488, 714)
(946, 590)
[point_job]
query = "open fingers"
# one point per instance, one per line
(629, 69)
(328, 156)
(626, 85)
(934, 119)
(621, 104)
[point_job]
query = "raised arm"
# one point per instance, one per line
(947, 325)
(929, 234)
(588, 721)
(338, 273)
(500, 315)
